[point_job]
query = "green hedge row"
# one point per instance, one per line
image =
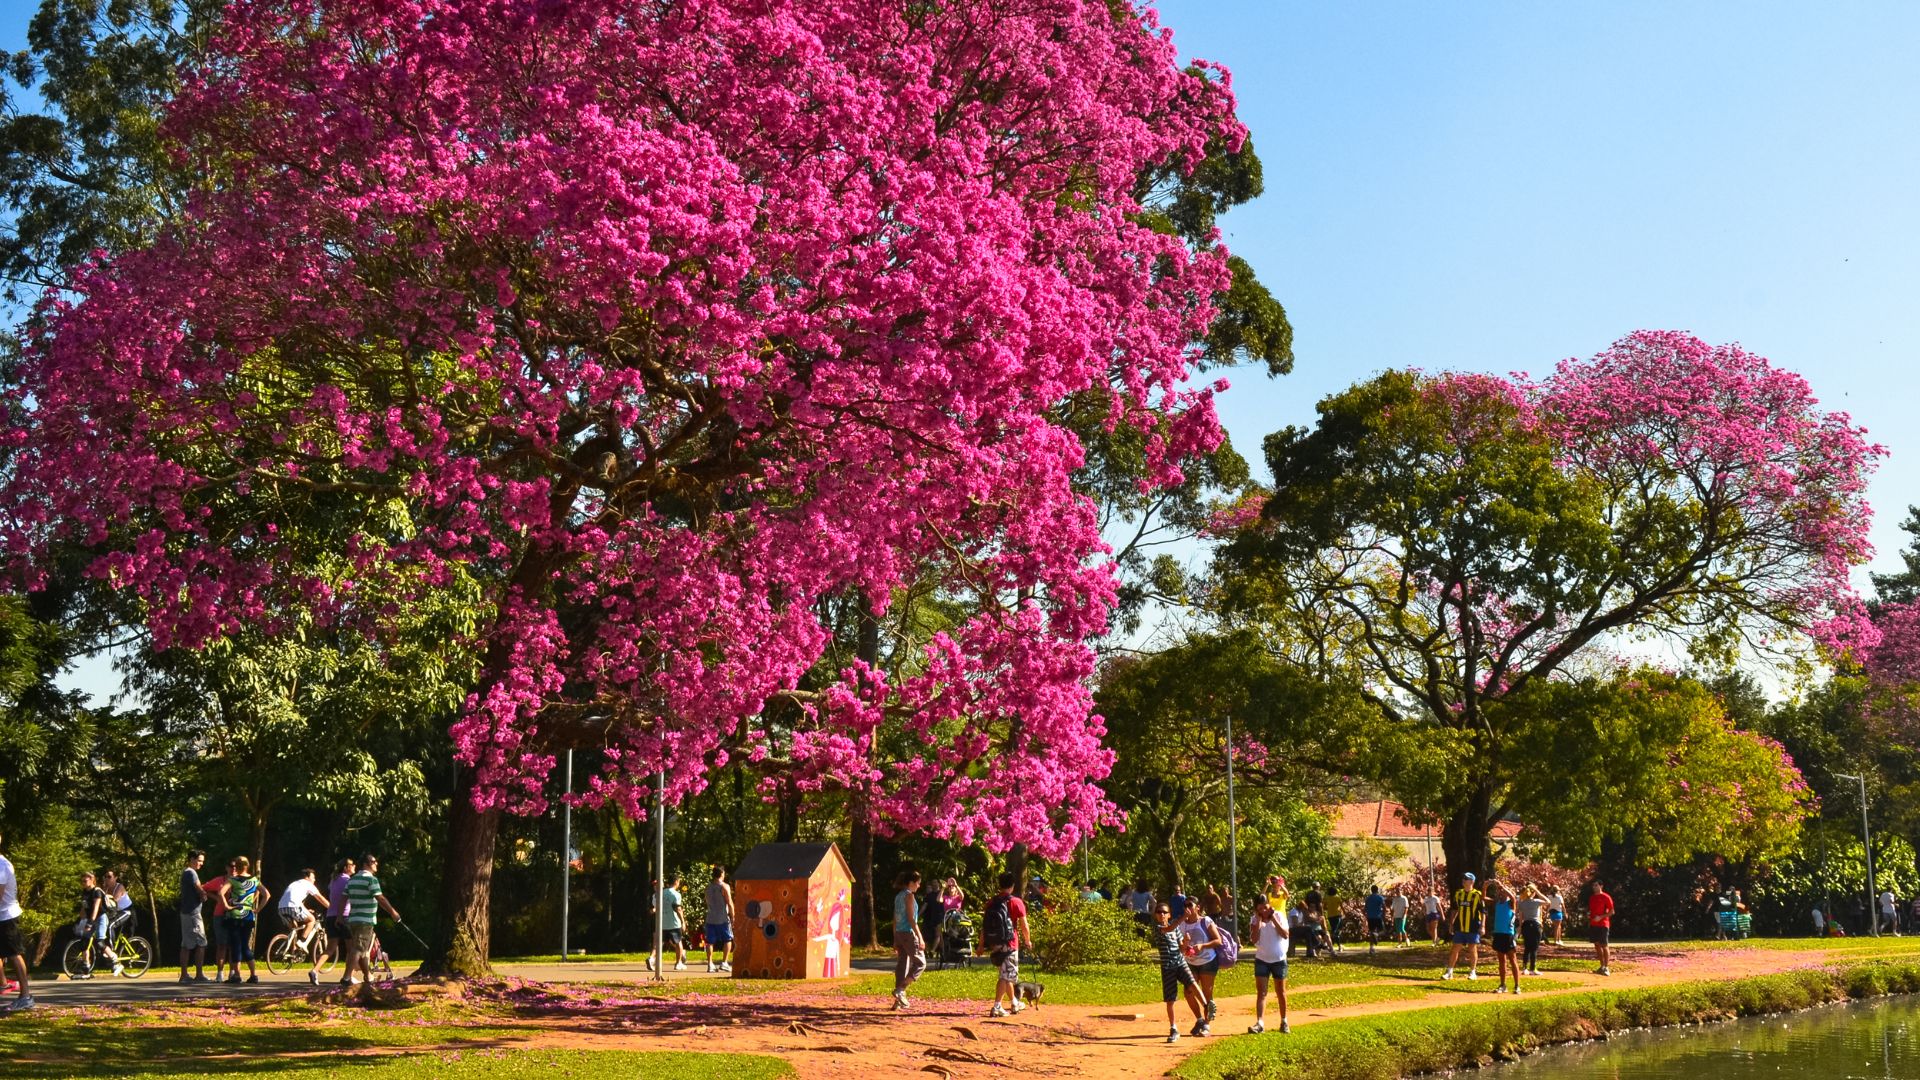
(1436, 1040)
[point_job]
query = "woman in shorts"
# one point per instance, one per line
(1202, 944)
(1270, 939)
(1556, 912)
(1175, 972)
(1501, 921)
(1433, 918)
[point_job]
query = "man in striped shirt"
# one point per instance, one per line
(1468, 913)
(365, 901)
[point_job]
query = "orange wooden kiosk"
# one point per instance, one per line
(792, 913)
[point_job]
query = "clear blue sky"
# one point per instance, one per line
(1500, 186)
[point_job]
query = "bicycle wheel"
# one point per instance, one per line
(280, 954)
(77, 960)
(324, 946)
(136, 956)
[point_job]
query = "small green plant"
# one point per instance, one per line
(1082, 932)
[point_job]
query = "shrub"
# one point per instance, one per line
(1083, 932)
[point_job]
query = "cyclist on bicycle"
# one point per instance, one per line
(93, 922)
(301, 922)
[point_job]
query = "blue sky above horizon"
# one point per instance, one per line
(1499, 186)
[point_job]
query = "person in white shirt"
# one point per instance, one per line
(1556, 912)
(1271, 937)
(12, 950)
(1397, 911)
(1819, 922)
(1433, 917)
(300, 919)
(1890, 913)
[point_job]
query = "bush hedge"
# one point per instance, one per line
(1438, 1040)
(1080, 932)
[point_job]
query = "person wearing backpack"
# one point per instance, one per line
(1002, 929)
(244, 896)
(1202, 940)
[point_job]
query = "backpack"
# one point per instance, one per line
(1229, 951)
(996, 926)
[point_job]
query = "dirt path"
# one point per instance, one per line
(833, 1037)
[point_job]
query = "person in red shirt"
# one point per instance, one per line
(214, 888)
(1600, 922)
(1002, 929)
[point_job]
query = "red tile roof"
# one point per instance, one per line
(1387, 820)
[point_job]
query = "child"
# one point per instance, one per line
(1174, 972)
(1504, 951)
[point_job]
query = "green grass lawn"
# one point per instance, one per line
(1341, 996)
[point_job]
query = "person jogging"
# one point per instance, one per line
(193, 927)
(909, 947)
(1270, 940)
(1468, 915)
(1175, 973)
(719, 927)
(1600, 923)
(13, 952)
(365, 901)
(1002, 928)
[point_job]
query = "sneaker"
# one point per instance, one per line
(724, 966)
(1516, 988)
(313, 977)
(20, 1004)
(1173, 1035)
(233, 980)
(679, 965)
(119, 970)
(202, 978)
(1213, 1009)
(1198, 1027)
(1447, 974)
(251, 979)
(710, 968)
(1500, 990)
(185, 978)
(650, 963)
(1205, 1029)
(996, 1010)
(1284, 1027)
(1472, 975)
(1019, 1006)
(82, 975)
(900, 1000)
(1604, 971)
(1258, 1028)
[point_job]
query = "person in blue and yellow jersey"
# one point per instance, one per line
(1469, 916)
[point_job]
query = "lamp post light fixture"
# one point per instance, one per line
(1866, 840)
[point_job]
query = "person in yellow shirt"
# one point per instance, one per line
(1469, 916)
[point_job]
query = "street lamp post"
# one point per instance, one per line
(660, 869)
(1866, 840)
(1233, 837)
(566, 859)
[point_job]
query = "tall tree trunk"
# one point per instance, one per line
(1463, 838)
(1017, 866)
(257, 837)
(1176, 876)
(787, 824)
(466, 891)
(860, 861)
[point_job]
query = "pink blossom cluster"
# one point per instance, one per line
(1892, 669)
(664, 323)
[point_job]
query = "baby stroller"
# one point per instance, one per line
(954, 945)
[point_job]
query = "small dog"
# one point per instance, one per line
(1029, 993)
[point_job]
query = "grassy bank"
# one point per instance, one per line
(1435, 1040)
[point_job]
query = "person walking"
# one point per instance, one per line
(1202, 944)
(1501, 921)
(244, 896)
(1397, 915)
(193, 927)
(365, 901)
(302, 921)
(1889, 913)
(1600, 923)
(719, 926)
(1531, 907)
(1468, 919)
(909, 947)
(1002, 928)
(339, 929)
(1334, 914)
(1433, 918)
(672, 929)
(13, 952)
(1376, 918)
(1556, 912)
(1175, 972)
(1270, 940)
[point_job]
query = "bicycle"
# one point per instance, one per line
(133, 954)
(286, 950)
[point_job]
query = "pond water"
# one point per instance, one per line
(1878, 1040)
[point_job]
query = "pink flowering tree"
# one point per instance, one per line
(665, 325)
(1449, 542)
